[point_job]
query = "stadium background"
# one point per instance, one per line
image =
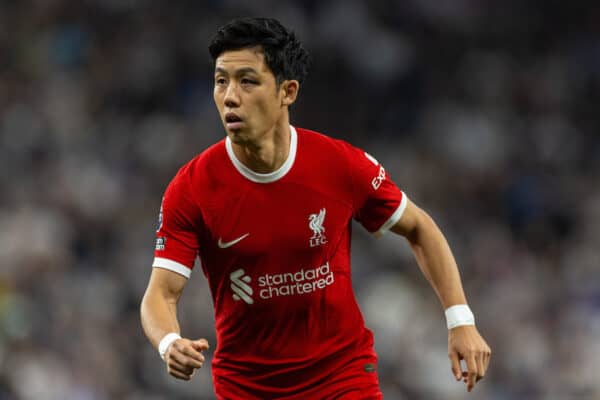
(484, 112)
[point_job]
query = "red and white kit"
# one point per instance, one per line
(275, 249)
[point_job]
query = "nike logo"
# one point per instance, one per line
(224, 245)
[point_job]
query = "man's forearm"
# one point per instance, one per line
(159, 317)
(436, 261)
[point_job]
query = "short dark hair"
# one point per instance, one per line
(284, 54)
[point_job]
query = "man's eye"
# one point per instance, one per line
(220, 81)
(246, 81)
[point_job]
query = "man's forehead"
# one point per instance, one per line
(252, 57)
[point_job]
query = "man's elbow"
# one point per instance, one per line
(414, 223)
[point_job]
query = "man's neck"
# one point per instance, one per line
(269, 153)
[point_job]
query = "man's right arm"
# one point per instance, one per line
(159, 318)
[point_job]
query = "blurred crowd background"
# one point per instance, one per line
(485, 113)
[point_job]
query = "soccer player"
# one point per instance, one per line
(268, 211)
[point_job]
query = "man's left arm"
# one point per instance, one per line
(437, 263)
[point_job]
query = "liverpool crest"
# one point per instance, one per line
(315, 223)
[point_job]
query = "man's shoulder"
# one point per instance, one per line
(329, 147)
(321, 140)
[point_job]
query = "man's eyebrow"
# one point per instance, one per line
(240, 71)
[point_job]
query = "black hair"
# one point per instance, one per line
(284, 54)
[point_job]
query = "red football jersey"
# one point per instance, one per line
(275, 249)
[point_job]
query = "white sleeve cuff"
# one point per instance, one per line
(171, 265)
(395, 217)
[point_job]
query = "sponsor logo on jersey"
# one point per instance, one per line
(378, 180)
(303, 281)
(315, 223)
(160, 243)
(224, 245)
(240, 286)
(300, 282)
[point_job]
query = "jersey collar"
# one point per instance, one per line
(271, 176)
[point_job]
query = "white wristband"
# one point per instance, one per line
(165, 342)
(459, 315)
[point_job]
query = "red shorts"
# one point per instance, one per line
(356, 381)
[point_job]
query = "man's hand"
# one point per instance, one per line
(465, 343)
(184, 356)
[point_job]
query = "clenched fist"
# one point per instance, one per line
(184, 356)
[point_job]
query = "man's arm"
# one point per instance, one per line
(158, 313)
(437, 263)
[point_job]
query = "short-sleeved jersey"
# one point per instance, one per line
(275, 249)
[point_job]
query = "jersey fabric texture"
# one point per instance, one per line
(275, 249)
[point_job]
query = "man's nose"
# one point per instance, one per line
(232, 99)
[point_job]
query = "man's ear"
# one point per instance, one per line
(290, 92)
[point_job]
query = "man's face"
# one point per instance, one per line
(246, 95)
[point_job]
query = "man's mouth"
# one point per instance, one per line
(233, 121)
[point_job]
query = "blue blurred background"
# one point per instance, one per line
(484, 112)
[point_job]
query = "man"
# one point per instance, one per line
(268, 212)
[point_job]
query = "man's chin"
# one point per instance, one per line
(237, 136)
